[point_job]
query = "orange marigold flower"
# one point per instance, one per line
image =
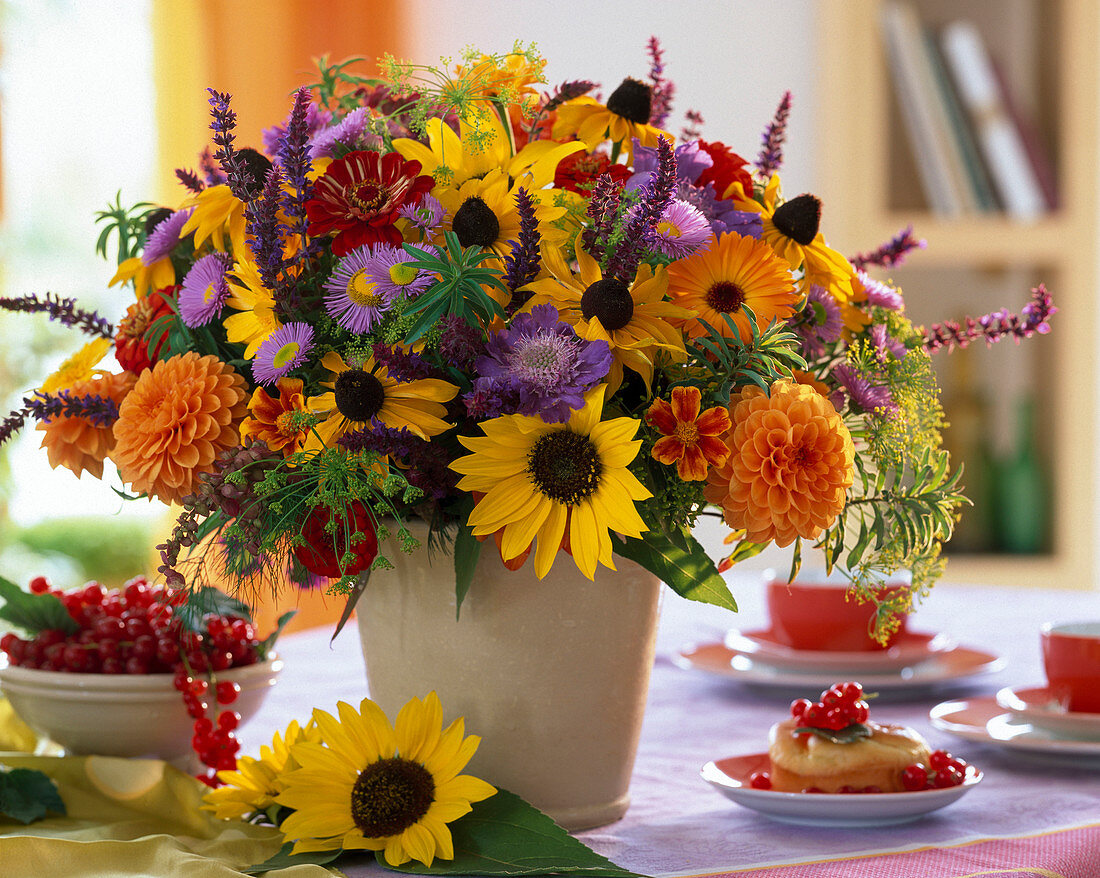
(272, 417)
(689, 439)
(76, 443)
(181, 414)
(790, 464)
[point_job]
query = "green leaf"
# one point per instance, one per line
(26, 795)
(284, 859)
(847, 735)
(208, 600)
(34, 612)
(691, 575)
(503, 835)
(268, 642)
(467, 550)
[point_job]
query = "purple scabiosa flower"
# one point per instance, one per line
(540, 366)
(885, 343)
(880, 295)
(164, 237)
(282, 351)
(425, 214)
(818, 323)
(351, 295)
(863, 392)
(681, 230)
(204, 291)
(389, 269)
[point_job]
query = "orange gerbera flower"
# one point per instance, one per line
(272, 418)
(689, 439)
(790, 465)
(79, 444)
(181, 414)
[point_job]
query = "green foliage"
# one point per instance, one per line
(27, 795)
(128, 224)
(33, 612)
(106, 550)
(679, 561)
(204, 600)
(284, 859)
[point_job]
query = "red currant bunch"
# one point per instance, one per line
(943, 770)
(840, 706)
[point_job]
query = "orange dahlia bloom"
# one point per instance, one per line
(181, 414)
(790, 464)
(271, 417)
(689, 439)
(77, 443)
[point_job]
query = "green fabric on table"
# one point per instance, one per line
(128, 818)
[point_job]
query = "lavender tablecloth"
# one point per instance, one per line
(677, 825)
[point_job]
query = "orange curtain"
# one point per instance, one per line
(259, 51)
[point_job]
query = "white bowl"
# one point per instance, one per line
(123, 714)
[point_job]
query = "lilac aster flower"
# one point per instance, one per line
(352, 298)
(884, 342)
(818, 323)
(880, 295)
(425, 214)
(865, 394)
(722, 215)
(539, 366)
(282, 351)
(351, 132)
(164, 237)
(389, 269)
(681, 230)
(204, 291)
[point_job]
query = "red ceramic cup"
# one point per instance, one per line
(816, 612)
(1071, 659)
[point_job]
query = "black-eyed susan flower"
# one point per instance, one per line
(543, 482)
(372, 786)
(624, 118)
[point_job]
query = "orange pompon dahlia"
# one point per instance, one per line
(272, 418)
(181, 414)
(689, 439)
(79, 444)
(790, 464)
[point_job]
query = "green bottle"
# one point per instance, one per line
(1021, 490)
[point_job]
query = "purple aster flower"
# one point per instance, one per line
(818, 323)
(164, 237)
(722, 215)
(681, 230)
(389, 269)
(540, 366)
(863, 392)
(282, 351)
(425, 214)
(691, 161)
(884, 342)
(204, 291)
(351, 132)
(351, 296)
(880, 295)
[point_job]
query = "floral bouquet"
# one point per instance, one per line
(537, 320)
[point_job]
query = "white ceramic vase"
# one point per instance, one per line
(552, 674)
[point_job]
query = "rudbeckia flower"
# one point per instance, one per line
(145, 277)
(689, 438)
(217, 213)
(623, 118)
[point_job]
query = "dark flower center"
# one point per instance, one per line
(390, 795)
(256, 165)
(609, 301)
(475, 223)
(155, 218)
(368, 196)
(725, 297)
(799, 218)
(565, 466)
(632, 100)
(359, 395)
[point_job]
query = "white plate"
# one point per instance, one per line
(1040, 707)
(947, 667)
(909, 648)
(984, 720)
(731, 778)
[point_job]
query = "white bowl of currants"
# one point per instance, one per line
(138, 671)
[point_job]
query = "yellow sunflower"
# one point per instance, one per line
(624, 117)
(362, 393)
(157, 276)
(549, 481)
(256, 304)
(723, 277)
(636, 321)
(376, 787)
(79, 367)
(255, 783)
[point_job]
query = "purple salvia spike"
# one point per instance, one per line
(62, 310)
(262, 218)
(523, 262)
(190, 179)
(296, 164)
(403, 365)
(210, 169)
(603, 207)
(99, 410)
(771, 153)
(655, 196)
(12, 424)
(661, 90)
(694, 128)
(566, 92)
(892, 253)
(236, 170)
(1033, 319)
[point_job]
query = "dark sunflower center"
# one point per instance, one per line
(390, 795)
(359, 395)
(632, 100)
(367, 196)
(725, 297)
(799, 218)
(155, 218)
(565, 466)
(256, 164)
(609, 300)
(475, 223)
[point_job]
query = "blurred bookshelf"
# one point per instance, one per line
(1023, 416)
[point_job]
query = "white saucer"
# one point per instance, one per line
(731, 778)
(985, 721)
(946, 667)
(1040, 707)
(909, 648)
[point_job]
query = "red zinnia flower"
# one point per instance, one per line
(359, 196)
(728, 168)
(136, 349)
(690, 439)
(578, 172)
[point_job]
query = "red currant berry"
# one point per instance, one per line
(229, 720)
(947, 777)
(40, 585)
(798, 707)
(226, 692)
(851, 691)
(814, 715)
(914, 777)
(939, 759)
(760, 780)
